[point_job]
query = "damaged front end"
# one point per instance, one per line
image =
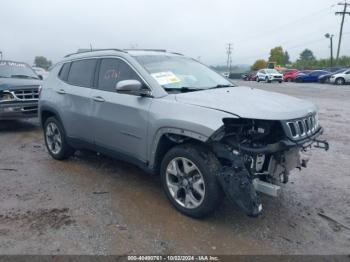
(258, 156)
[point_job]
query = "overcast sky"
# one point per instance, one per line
(198, 28)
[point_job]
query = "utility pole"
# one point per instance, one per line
(229, 52)
(331, 40)
(343, 13)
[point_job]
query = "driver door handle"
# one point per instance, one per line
(98, 99)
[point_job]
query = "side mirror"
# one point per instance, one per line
(134, 87)
(40, 77)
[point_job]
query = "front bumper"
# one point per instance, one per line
(15, 110)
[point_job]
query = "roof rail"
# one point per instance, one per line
(95, 50)
(138, 49)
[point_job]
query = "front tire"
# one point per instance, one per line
(339, 81)
(55, 140)
(188, 174)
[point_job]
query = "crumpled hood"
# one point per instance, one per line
(13, 83)
(251, 103)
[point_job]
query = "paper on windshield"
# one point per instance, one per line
(164, 78)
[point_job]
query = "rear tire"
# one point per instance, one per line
(339, 81)
(195, 193)
(55, 140)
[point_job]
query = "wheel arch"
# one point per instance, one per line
(167, 138)
(340, 77)
(46, 112)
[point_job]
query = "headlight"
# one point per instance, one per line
(5, 96)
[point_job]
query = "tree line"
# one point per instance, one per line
(306, 60)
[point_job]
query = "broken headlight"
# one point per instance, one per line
(6, 96)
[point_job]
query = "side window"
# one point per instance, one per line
(81, 72)
(127, 73)
(108, 75)
(112, 71)
(63, 75)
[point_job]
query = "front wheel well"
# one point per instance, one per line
(45, 114)
(168, 141)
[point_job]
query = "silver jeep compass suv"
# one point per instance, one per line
(172, 115)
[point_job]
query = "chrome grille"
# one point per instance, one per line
(303, 127)
(27, 94)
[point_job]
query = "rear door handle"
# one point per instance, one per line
(98, 99)
(61, 91)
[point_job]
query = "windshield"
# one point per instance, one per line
(10, 69)
(272, 71)
(181, 73)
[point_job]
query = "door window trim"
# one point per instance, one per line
(109, 56)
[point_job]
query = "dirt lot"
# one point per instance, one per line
(91, 204)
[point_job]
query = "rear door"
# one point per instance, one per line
(74, 93)
(121, 120)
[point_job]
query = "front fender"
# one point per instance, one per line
(169, 116)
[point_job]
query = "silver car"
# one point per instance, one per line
(173, 116)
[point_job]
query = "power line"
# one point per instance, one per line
(306, 17)
(343, 13)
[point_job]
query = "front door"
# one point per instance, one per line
(121, 120)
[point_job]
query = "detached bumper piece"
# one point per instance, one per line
(239, 188)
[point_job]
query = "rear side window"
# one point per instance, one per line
(112, 71)
(63, 75)
(81, 72)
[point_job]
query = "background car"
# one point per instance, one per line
(269, 75)
(19, 90)
(41, 72)
(310, 77)
(326, 78)
(290, 75)
(341, 78)
(252, 76)
(226, 74)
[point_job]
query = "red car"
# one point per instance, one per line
(290, 75)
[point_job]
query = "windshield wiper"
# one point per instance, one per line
(183, 89)
(23, 76)
(221, 86)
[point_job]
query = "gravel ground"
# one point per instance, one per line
(91, 204)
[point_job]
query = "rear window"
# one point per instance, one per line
(81, 72)
(63, 75)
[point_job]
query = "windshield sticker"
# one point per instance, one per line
(7, 63)
(164, 78)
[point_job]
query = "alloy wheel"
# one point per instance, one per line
(185, 182)
(53, 138)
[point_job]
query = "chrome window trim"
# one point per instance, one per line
(102, 57)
